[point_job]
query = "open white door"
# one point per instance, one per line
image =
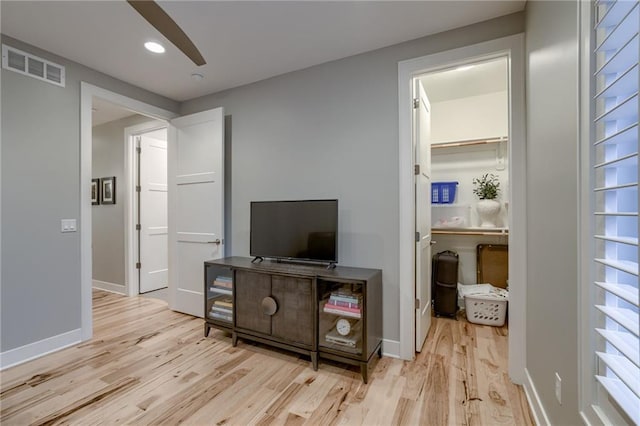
(153, 242)
(422, 150)
(196, 205)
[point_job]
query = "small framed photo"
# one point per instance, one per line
(95, 192)
(108, 190)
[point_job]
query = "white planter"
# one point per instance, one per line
(488, 213)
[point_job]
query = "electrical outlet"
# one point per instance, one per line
(558, 389)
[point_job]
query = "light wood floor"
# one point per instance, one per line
(148, 365)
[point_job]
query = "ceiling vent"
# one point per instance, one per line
(33, 66)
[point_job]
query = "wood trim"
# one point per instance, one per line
(497, 232)
(470, 142)
(43, 347)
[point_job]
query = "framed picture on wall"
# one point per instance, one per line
(95, 192)
(108, 190)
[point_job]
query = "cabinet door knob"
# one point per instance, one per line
(216, 242)
(269, 306)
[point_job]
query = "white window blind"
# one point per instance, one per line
(615, 216)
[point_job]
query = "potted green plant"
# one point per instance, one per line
(487, 188)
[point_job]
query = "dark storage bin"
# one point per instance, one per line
(444, 283)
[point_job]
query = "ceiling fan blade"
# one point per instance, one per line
(153, 13)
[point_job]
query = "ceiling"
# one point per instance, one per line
(104, 112)
(462, 82)
(242, 41)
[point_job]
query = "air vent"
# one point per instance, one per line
(33, 66)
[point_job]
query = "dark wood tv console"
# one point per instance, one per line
(325, 313)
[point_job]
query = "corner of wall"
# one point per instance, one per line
(537, 409)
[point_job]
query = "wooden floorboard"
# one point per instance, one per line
(149, 365)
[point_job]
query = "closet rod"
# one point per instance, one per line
(502, 232)
(468, 143)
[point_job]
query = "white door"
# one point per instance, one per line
(196, 205)
(422, 152)
(153, 234)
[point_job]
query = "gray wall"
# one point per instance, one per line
(552, 188)
(108, 220)
(40, 294)
(331, 131)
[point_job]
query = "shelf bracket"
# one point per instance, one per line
(500, 154)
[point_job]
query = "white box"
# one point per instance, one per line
(450, 215)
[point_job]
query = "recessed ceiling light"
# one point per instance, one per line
(196, 76)
(154, 47)
(464, 68)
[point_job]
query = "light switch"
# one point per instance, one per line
(68, 225)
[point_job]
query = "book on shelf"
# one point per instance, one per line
(224, 301)
(332, 309)
(221, 290)
(223, 283)
(221, 309)
(220, 316)
(346, 314)
(223, 278)
(338, 301)
(351, 340)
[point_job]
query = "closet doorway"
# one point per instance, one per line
(507, 162)
(469, 141)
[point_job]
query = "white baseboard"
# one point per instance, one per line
(40, 348)
(539, 414)
(111, 287)
(391, 348)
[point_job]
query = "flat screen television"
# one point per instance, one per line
(303, 230)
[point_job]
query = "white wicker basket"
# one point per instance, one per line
(484, 303)
(485, 309)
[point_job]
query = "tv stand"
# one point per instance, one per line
(258, 259)
(297, 307)
(331, 265)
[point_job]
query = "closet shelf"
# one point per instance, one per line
(470, 231)
(471, 142)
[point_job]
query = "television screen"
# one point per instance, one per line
(303, 230)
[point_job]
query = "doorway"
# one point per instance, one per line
(146, 230)
(114, 220)
(511, 48)
(88, 94)
(196, 180)
(467, 120)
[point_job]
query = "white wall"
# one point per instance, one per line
(473, 117)
(552, 200)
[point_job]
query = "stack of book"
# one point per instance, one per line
(222, 309)
(222, 285)
(343, 303)
(351, 340)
